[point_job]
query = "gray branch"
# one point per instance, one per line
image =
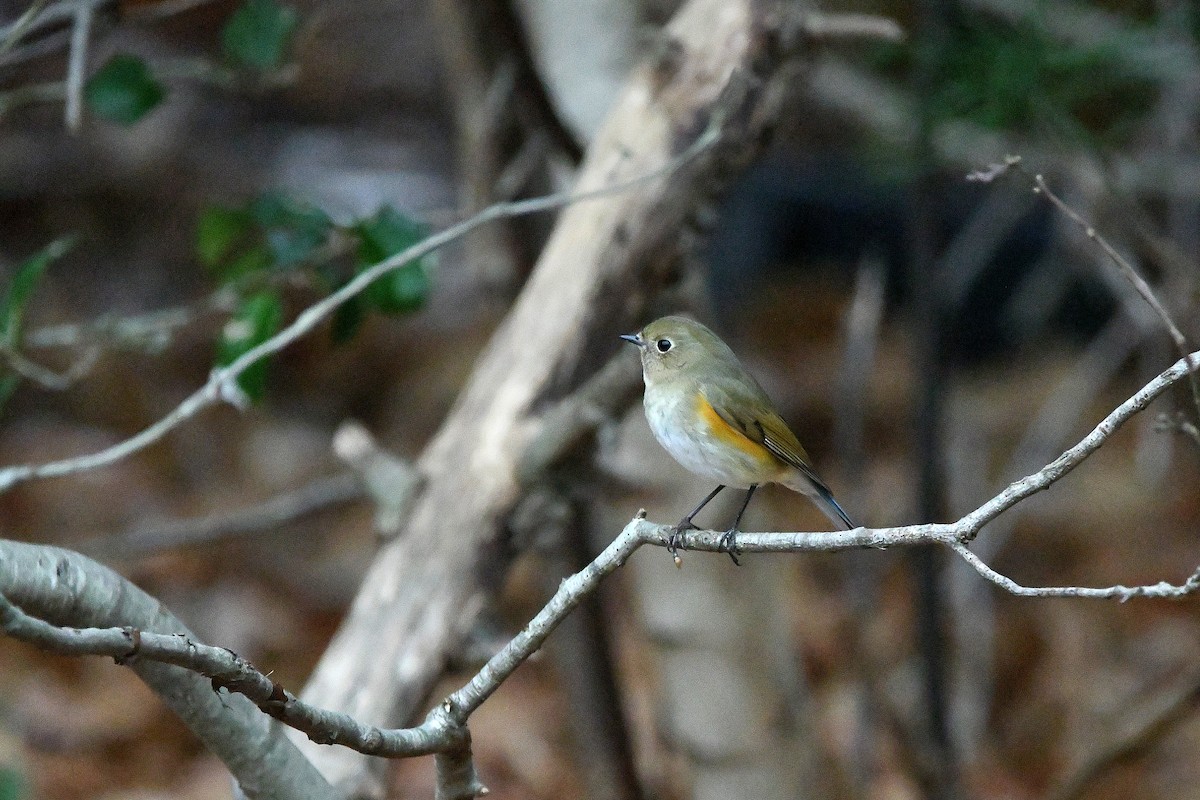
(65, 588)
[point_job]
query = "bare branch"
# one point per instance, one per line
(46, 377)
(1139, 283)
(320, 494)
(13, 33)
(81, 32)
(835, 27)
(222, 383)
(1045, 477)
(65, 588)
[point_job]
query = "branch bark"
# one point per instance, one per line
(64, 588)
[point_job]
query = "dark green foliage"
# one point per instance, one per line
(24, 281)
(382, 236)
(249, 247)
(123, 90)
(258, 35)
(1018, 77)
(272, 231)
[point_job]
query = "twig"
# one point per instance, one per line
(64, 588)
(1136, 280)
(46, 377)
(18, 28)
(81, 32)
(871, 27)
(150, 332)
(48, 17)
(222, 382)
(389, 480)
(444, 728)
(1151, 725)
(318, 495)
(1045, 477)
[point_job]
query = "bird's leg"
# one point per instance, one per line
(686, 524)
(728, 542)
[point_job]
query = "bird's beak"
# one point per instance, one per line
(633, 338)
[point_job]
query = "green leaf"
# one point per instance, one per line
(123, 90)
(259, 34)
(257, 319)
(292, 230)
(401, 290)
(382, 236)
(218, 231)
(12, 313)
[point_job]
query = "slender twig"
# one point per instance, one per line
(1139, 283)
(444, 727)
(832, 27)
(81, 32)
(46, 377)
(1044, 478)
(14, 32)
(49, 16)
(222, 382)
(150, 332)
(320, 494)
(1146, 729)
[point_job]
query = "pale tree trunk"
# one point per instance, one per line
(714, 68)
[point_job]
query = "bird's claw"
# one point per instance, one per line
(675, 538)
(728, 544)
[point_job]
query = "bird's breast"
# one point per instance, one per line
(690, 429)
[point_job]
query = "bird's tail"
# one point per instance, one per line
(807, 483)
(823, 499)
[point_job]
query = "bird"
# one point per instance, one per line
(715, 419)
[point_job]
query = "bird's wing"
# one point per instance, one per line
(767, 428)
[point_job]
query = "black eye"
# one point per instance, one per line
(663, 345)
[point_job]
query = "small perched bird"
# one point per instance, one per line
(716, 421)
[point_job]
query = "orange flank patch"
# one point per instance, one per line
(729, 435)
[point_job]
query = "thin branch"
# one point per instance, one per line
(1146, 729)
(835, 27)
(222, 382)
(64, 588)
(22, 24)
(320, 494)
(47, 17)
(81, 32)
(46, 377)
(444, 727)
(1123, 266)
(1045, 477)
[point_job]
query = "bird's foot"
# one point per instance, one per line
(728, 544)
(673, 540)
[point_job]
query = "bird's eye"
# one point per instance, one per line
(663, 345)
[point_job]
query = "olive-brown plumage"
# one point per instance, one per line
(716, 420)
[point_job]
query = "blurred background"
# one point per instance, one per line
(205, 170)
